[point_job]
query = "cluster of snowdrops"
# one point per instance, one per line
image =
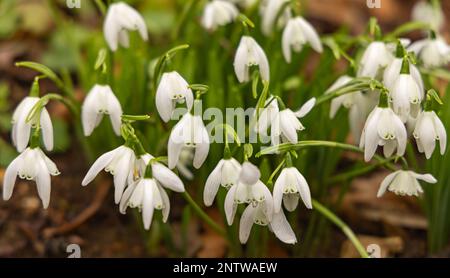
(395, 105)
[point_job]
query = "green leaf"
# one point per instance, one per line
(43, 70)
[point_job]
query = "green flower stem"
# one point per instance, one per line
(345, 229)
(358, 84)
(202, 214)
(406, 28)
(316, 143)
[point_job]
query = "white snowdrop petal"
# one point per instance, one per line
(278, 189)
(246, 223)
(229, 205)
(212, 184)
(9, 179)
(167, 178)
(306, 108)
(385, 184)
(282, 229)
(99, 165)
(47, 129)
(147, 205)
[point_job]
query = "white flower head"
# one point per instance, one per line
(146, 195)
(270, 10)
(296, 34)
(225, 174)
(21, 128)
(346, 100)
(121, 163)
(120, 19)
(190, 132)
(288, 188)
(404, 183)
(255, 214)
(406, 97)
(432, 52)
(100, 101)
(172, 89)
(392, 72)
(255, 194)
(250, 174)
(383, 127)
(31, 164)
(428, 130)
(427, 13)
(284, 124)
(248, 54)
(218, 13)
(376, 57)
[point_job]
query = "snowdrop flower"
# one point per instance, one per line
(286, 123)
(249, 54)
(249, 189)
(404, 183)
(100, 101)
(270, 9)
(383, 127)
(288, 188)
(191, 132)
(392, 73)
(21, 129)
(347, 100)
(406, 97)
(31, 164)
(427, 13)
(256, 215)
(358, 104)
(146, 195)
(429, 128)
(218, 13)
(121, 163)
(120, 19)
(297, 33)
(375, 57)
(225, 174)
(434, 52)
(172, 89)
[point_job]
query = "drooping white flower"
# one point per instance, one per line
(249, 189)
(100, 101)
(270, 10)
(404, 183)
(255, 214)
(218, 13)
(376, 57)
(429, 128)
(172, 89)
(225, 174)
(392, 72)
(406, 97)
(288, 188)
(21, 129)
(191, 132)
(146, 195)
(432, 52)
(249, 54)
(31, 164)
(347, 100)
(383, 127)
(427, 13)
(120, 19)
(297, 33)
(121, 163)
(284, 124)
(358, 104)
